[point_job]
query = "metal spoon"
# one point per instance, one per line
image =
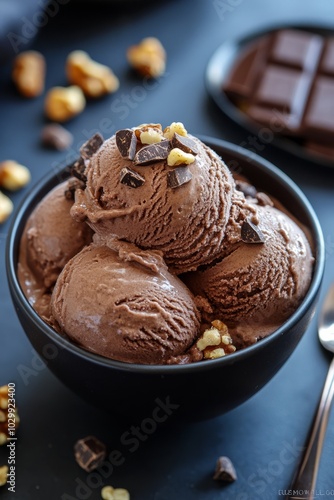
(304, 482)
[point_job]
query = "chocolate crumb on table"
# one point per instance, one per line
(89, 453)
(225, 470)
(55, 136)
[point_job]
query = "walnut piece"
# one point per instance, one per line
(93, 78)
(175, 128)
(110, 493)
(13, 175)
(216, 341)
(179, 157)
(28, 73)
(6, 208)
(3, 474)
(63, 103)
(148, 57)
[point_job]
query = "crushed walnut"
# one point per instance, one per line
(216, 341)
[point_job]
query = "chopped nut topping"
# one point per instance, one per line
(110, 493)
(210, 337)
(179, 157)
(214, 354)
(93, 78)
(29, 73)
(63, 103)
(150, 136)
(175, 128)
(216, 342)
(147, 126)
(13, 176)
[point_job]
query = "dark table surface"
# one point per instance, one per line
(264, 436)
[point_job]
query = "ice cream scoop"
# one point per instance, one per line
(263, 279)
(122, 303)
(158, 196)
(50, 238)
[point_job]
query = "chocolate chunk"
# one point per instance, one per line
(178, 176)
(250, 233)
(126, 142)
(246, 188)
(89, 453)
(225, 470)
(55, 136)
(152, 153)
(131, 178)
(187, 144)
(77, 169)
(71, 187)
(91, 146)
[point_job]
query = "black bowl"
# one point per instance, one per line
(196, 391)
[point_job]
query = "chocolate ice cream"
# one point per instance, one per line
(50, 238)
(122, 303)
(186, 222)
(187, 261)
(262, 278)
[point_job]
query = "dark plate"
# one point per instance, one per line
(218, 69)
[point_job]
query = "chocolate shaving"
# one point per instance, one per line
(250, 233)
(131, 178)
(126, 142)
(185, 144)
(152, 153)
(225, 470)
(178, 176)
(77, 169)
(91, 146)
(89, 453)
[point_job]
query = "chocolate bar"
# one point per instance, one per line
(285, 81)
